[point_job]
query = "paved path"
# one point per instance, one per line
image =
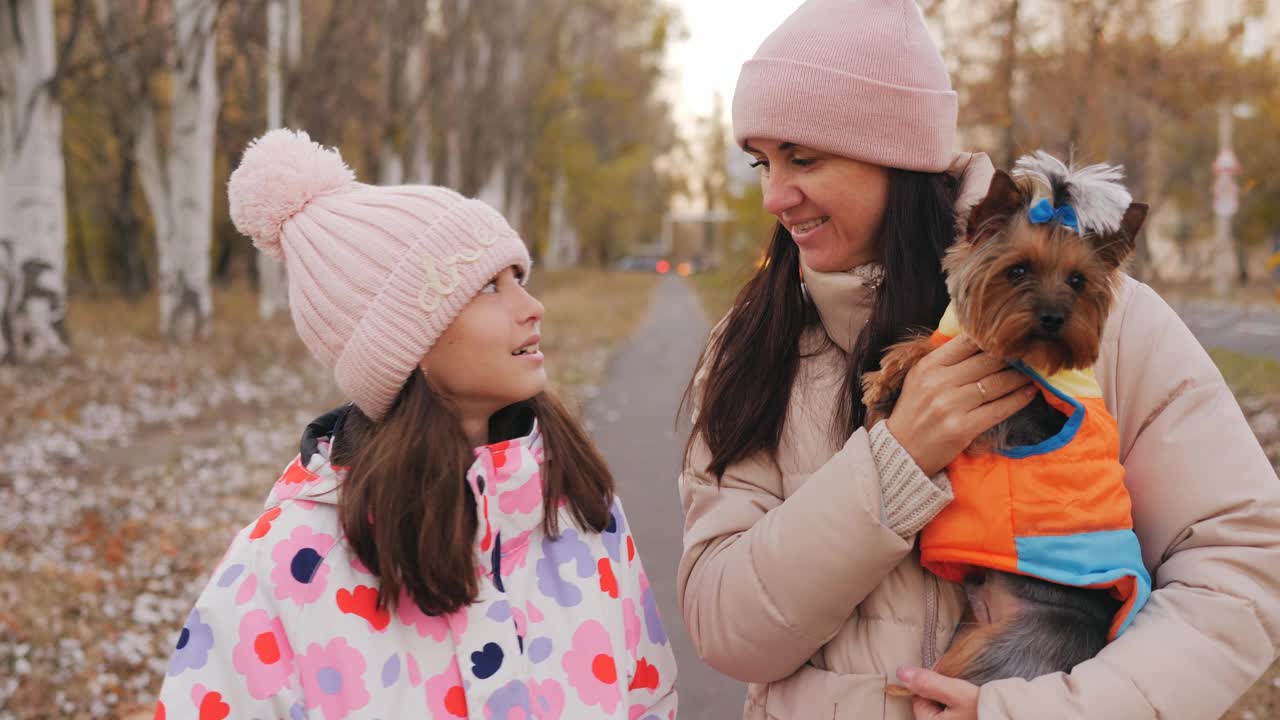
(1253, 331)
(632, 419)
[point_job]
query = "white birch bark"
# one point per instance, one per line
(33, 235)
(177, 176)
(282, 25)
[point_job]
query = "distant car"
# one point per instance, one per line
(645, 263)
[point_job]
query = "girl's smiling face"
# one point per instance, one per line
(489, 356)
(833, 206)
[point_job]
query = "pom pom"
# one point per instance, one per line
(279, 174)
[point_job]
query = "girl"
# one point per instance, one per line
(455, 549)
(799, 573)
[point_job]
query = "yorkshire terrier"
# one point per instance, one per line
(1032, 281)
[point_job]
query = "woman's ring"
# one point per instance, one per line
(982, 389)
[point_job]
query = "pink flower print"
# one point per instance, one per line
(300, 572)
(295, 478)
(547, 699)
(333, 679)
(415, 674)
(522, 625)
(591, 668)
(263, 526)
(446, 697)
(507, 459)
(209, 704)
(247, 589)
(435, 627)
(524, 499)
(535, 615)
(515, 552)
(263, 654)
(631, 626)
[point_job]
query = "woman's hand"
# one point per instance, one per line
(953, 395)
(938, 697)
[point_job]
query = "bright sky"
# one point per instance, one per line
(722, 34)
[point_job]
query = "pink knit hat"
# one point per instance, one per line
(858, 78)
(376, 274)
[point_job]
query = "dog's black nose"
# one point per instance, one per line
(1051, 321)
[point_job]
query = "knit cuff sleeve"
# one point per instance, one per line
(909, 497)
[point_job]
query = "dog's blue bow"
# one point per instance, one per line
(1044, 211)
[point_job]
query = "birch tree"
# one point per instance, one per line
(284, 49)
(175, 158)
(404, 154)
(33, 234)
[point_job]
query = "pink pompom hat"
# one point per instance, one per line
(376, 273)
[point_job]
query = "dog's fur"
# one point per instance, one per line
(1039, 293)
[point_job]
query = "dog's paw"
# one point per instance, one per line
(873, 389)
(880, 389)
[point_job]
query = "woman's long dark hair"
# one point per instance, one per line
(406, 508)
(751, 364)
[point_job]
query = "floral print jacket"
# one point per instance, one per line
(288, 626)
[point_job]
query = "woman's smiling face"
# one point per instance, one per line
(833, 206)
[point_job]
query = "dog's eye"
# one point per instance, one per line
(1016, 273)
(1075, 281)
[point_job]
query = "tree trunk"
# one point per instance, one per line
(418, 162)
(177, 177)
(1010, 144)
(83, 279)
(33, 233)
(405, 147)
(563, 249)
(129, 269)
(273, 288)
(1097, 23)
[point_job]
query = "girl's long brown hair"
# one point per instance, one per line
(406, 508)
(752, 362)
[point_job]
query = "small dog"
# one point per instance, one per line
(1032, 282)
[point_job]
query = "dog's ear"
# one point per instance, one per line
(1115, 248)
(1004, 198)
(1133, 218)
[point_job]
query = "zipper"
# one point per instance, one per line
(929, 648)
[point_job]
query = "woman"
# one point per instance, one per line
(799, 574)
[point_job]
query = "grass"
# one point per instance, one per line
(718, 288)
(1248, 375)
(1257, 292)
(587, 313)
